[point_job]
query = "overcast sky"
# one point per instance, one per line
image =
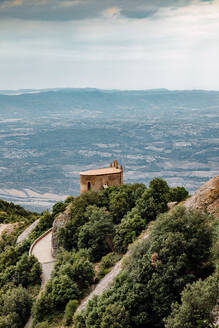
(109, 44)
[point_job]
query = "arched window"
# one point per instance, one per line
(88, 186)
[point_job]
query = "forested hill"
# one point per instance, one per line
(96, 232)
(159, 283)
(10, 212)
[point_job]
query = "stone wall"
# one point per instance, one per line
(59, 222)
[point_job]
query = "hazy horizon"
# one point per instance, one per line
(110, 89)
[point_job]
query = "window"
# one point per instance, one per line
(88, 186)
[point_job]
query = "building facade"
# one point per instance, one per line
(101, 178)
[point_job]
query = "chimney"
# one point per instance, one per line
(115, 164)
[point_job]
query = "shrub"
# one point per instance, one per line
(58, 207)
(70, 310)
(107, 262)
(197, 302)
(43, 324)
(15, 309)
(115, 316)
(18, 268)
(96, 235)
(178, 194)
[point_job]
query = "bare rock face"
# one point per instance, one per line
(206, 197)
(171, 205)
(59, 222)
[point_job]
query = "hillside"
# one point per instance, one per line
(92, 235)
(13, 219)
(82, 231)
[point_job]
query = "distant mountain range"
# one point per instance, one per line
(48, 136)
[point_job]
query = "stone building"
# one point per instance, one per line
(101, 178)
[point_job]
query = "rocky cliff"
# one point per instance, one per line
(59, 222)
(206, 197)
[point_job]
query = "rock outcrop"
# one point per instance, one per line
(59, 222)
(206, 197)
(8, 228)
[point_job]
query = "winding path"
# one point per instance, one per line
(42, 250)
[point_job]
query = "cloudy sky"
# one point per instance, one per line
(109, 44)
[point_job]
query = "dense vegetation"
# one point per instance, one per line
(10, 213)
(111, 219)
(102, 225)
(163, 279)
(73, 274)
(155, 274)
(19, 273)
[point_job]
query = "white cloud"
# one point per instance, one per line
(177, 49)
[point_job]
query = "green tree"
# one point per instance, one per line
(68, 235)
(63, 289)
(15, 308)
(178, 194)
(193, 233)
(58, 208)
(197, 302)
(160, 193)
(96, 235)
(147, 207)
(127, 231)
(81, 271)
(119, 205)
(70, 309)
(115, 316)
(27, 271)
